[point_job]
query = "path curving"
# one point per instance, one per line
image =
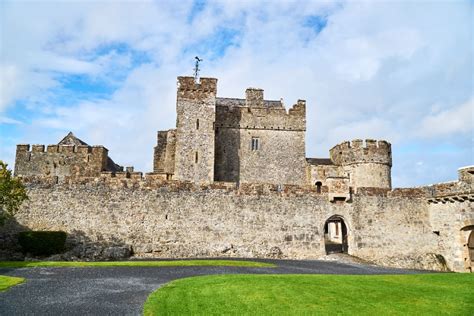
(123, 290)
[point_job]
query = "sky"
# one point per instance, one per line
(106, 70)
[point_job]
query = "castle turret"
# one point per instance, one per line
(71, 157)
(196, 102)
(367, 164)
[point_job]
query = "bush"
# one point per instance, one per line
(42, 243)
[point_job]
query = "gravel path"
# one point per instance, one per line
(123, 290)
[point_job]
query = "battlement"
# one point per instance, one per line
(466, 174)
(259, 114)
(61, 160)
(79, 149)
(360, 151)
(254, 97)
(188, 88)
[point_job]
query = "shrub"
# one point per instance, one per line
(42, 243)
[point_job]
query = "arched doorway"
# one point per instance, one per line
(335, 235)
(470, 248)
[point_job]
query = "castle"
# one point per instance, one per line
(232, 179)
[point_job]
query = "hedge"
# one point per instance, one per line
(42, 243)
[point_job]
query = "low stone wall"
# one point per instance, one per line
(173, 219)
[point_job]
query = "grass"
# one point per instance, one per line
(422, 294)
(170, 263)
(8, 281)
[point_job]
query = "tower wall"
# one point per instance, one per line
(164, 152)
(367, 164)
(60, 160)
(195, 107)
(259, 141)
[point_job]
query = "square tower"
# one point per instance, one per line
(195, 107)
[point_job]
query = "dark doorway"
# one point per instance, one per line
(335, 235)
(319, 184)
(470, 247)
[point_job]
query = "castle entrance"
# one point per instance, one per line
(335, 235)
(470, 247)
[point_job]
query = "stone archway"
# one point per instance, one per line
(470, 249)
(335, 235)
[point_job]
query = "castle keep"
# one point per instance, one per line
(233, 179)
(254, 140)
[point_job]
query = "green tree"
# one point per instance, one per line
(12, 193)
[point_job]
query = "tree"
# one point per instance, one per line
(12, 193)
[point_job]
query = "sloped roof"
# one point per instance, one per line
(319, 161)
(71, 139)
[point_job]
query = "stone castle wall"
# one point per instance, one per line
(177, 219)
(451, 208)
(60, 160)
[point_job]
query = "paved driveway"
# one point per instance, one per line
(123, 290)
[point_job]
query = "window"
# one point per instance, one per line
(197, 124)
(318, 186)
(196, 157)
(255, 143)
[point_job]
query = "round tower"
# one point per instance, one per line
(368, 163)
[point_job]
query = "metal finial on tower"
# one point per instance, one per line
(196, 68)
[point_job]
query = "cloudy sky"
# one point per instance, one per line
(106, 70)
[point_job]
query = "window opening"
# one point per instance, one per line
(196, 157)
(318, 186)
(197, 124)
(255, 143)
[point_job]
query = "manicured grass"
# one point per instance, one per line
(8, 281)
(422, 294)
(171, 263)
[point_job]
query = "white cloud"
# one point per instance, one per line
(456, 120)
(378, 69)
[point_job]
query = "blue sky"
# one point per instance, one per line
(106, 70)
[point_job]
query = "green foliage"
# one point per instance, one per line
(422, 294)
(168, 263)
(8, 281)
(12, 193)
(42, 243)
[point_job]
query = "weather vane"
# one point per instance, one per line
(196, 68)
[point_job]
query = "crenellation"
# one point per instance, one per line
(22, 148)
(37, 148)
(67, 159)
(370, 143)
(188, 88)
(52, 148)
(357, 143)
(82, 149)
(466, 174)
(254, 98)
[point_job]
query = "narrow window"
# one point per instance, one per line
(196, 157)
(255, 143)
(318, 186)
(337, 229)
(197, 124)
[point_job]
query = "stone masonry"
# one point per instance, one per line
(232, 179)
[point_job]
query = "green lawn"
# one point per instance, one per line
(171, 263)
(422, 294)
(8, 281)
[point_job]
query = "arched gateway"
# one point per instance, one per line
(335, 235)
(470, 247)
